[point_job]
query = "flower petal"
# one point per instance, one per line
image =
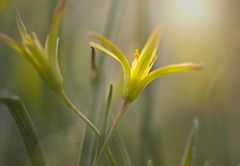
(12, 43)
(20, 25)
(114, 49)
(52, 40)
(148, 53)
(170, 69)
(18, 48)
(121, 59)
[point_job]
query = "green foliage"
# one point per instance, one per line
(26, 129)
(190, 149)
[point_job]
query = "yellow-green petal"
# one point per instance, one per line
(52, 40)
(114, 49)
(170, 69)
(122, 60)
(20, 25)
(147, 54)
(12, 43)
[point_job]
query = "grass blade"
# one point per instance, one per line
(105, 117)
(191, 145)
(149, 163)
(26, 129)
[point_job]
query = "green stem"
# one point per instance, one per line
(119, 117)
(68, 102)
(111, 157)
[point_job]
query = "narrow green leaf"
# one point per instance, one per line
(121, 150)
(149, 163)
(117, 143)
(189, 152)
(26, 129)
(105, 117)
(104, 126)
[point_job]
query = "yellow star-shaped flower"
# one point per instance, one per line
(139, 74)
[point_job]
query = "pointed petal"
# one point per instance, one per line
(20, 25)
(17, 47)
(170, 69)
(148, 53)
(121, 59)
(12, 43)
(51, 42)
(114, 49)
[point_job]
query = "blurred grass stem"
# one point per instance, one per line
(26, 128)
(68, 102)
(123, 109)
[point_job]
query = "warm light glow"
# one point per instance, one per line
(189, 10)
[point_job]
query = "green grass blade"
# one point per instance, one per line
(149, 163)
(104, 126)
(105, 117)
(188, 156)
(26, 129)
(117, 141)
(88, 156)
(121, 150)
(111, 28)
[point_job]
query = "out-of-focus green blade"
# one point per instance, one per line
(149, 163)
(188, 156)
(104, 127)
(123, 157)
(117, 143)
(89, 158)
(26, 129)
(105, 117)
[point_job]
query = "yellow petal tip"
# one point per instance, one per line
(199, 66)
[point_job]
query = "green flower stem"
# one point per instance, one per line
(123, 109)
(121, 113)
(68, 102)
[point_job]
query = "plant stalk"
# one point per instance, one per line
(123, 109)
(68, 102)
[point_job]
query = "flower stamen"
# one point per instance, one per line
(136, 54)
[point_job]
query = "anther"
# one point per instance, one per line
(136, 54)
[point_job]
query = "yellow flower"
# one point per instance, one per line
(139, 74)
(43, 58)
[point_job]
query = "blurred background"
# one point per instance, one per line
(158, 123)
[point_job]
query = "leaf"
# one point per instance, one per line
(105, 117)
(188, 156)
(149, 163)
(26, 129)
